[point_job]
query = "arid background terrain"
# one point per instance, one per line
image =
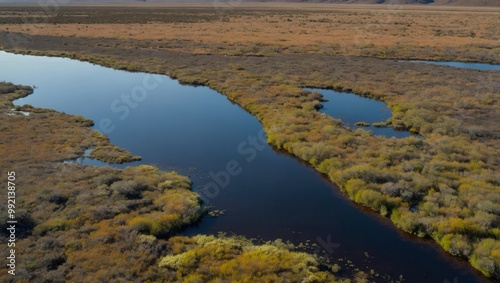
(261, 56)
(469, 3)
(361, 30)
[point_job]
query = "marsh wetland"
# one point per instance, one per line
(238, 122)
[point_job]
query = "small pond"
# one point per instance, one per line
(475, 66)
(352, 109)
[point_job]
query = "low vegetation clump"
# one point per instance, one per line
(384, 124)
(215, 259)
(112, 154)
(362, 124)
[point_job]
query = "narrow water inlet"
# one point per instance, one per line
(354, 110)
(464, 65)
(268, 195)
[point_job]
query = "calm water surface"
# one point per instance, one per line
(476, 66)
(197, 131)
(352, 108)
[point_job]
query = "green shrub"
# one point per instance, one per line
(370, 198)
(486, 257)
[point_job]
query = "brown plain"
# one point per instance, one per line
(361, 30)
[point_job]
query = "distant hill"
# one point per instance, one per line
(494, 3)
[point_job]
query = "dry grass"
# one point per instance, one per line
(331, 30)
